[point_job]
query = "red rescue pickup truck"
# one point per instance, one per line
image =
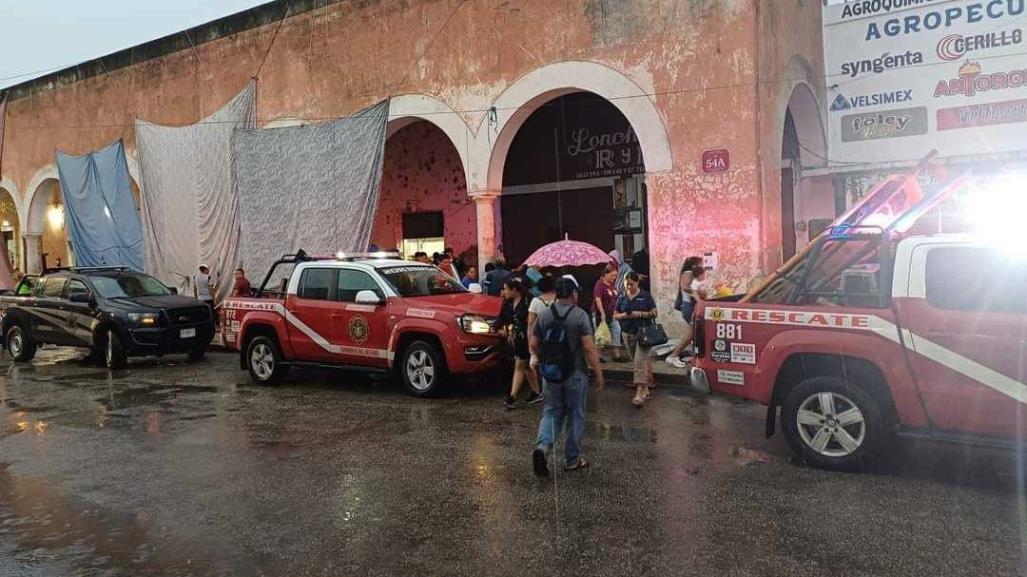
(362, 311)
(876, 330)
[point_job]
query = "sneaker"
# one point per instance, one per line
(673, 361)
(510, 403)
(534, 399)
(539, 462)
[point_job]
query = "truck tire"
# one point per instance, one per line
(114, 352)
(20, 344)
(264, 361)
(422, 369)
(832, 424)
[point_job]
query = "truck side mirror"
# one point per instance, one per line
(367, 298)
(81, 298)
(174, 290)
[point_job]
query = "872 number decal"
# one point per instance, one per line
(729, 332)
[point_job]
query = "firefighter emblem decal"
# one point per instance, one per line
(359, 330)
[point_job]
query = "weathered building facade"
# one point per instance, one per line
(668, 80)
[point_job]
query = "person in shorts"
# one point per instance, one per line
(513, 321)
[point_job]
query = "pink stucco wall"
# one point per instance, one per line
(421, 172)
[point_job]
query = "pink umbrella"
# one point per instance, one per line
(567, 253)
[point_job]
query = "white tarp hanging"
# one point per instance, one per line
(311, 187)
(190, 209)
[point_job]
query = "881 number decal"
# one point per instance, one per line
(729, 332)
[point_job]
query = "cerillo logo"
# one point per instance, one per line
(842, 103)
(971, 81)
(717, 314)
(955, 46)
(886, 61)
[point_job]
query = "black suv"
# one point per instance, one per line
(115, 312)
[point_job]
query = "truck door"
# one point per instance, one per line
(311, 309)
(49, 322)
(965, 318)
(360, 329)
(78, 316)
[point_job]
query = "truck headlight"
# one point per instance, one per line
(477, 324)
(144, 319)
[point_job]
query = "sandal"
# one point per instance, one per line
(638, 402)
(581, 463)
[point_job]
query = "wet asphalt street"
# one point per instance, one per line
(183, 469)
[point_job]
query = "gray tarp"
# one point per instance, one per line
(190, 211)
(102, 218)
(6, 274)
(311, 187)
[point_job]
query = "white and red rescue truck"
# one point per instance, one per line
(878, 328)
(363, 311)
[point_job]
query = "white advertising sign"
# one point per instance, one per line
(908, 76)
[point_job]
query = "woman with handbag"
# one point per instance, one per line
(636, 311)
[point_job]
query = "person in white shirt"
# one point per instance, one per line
(202, 288)
(692, 288)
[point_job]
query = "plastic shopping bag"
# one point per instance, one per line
(603, 336)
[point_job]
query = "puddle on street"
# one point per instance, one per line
(43, 526)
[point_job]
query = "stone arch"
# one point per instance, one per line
(529, 92)
(10, 190)
(405, 109)
(34, 207)
(809, 127)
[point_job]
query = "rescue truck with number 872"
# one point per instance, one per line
(368, 311)
(883, 325)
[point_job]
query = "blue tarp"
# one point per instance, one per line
(100, 211)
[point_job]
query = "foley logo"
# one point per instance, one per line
(842, 103)
(886, 124)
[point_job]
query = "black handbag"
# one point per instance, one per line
(652, 335)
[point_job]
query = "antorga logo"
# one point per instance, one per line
(955, 46)
(971, 81)
(841, 103)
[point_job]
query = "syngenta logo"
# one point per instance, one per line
(842, 103)
(955, 46)
(886, 61)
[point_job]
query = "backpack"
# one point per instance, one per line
(556, 358)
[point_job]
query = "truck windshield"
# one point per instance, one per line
(421, 281)
(129, 286)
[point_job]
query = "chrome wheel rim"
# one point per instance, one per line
(831, 424)
(262, 360)
(15, 342)
(420, 370)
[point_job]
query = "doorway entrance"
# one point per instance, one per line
(574, 170)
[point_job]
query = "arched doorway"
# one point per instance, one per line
(423, 203)
(10, 229)
(575, 169)
(807, 203)
(45, 226)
